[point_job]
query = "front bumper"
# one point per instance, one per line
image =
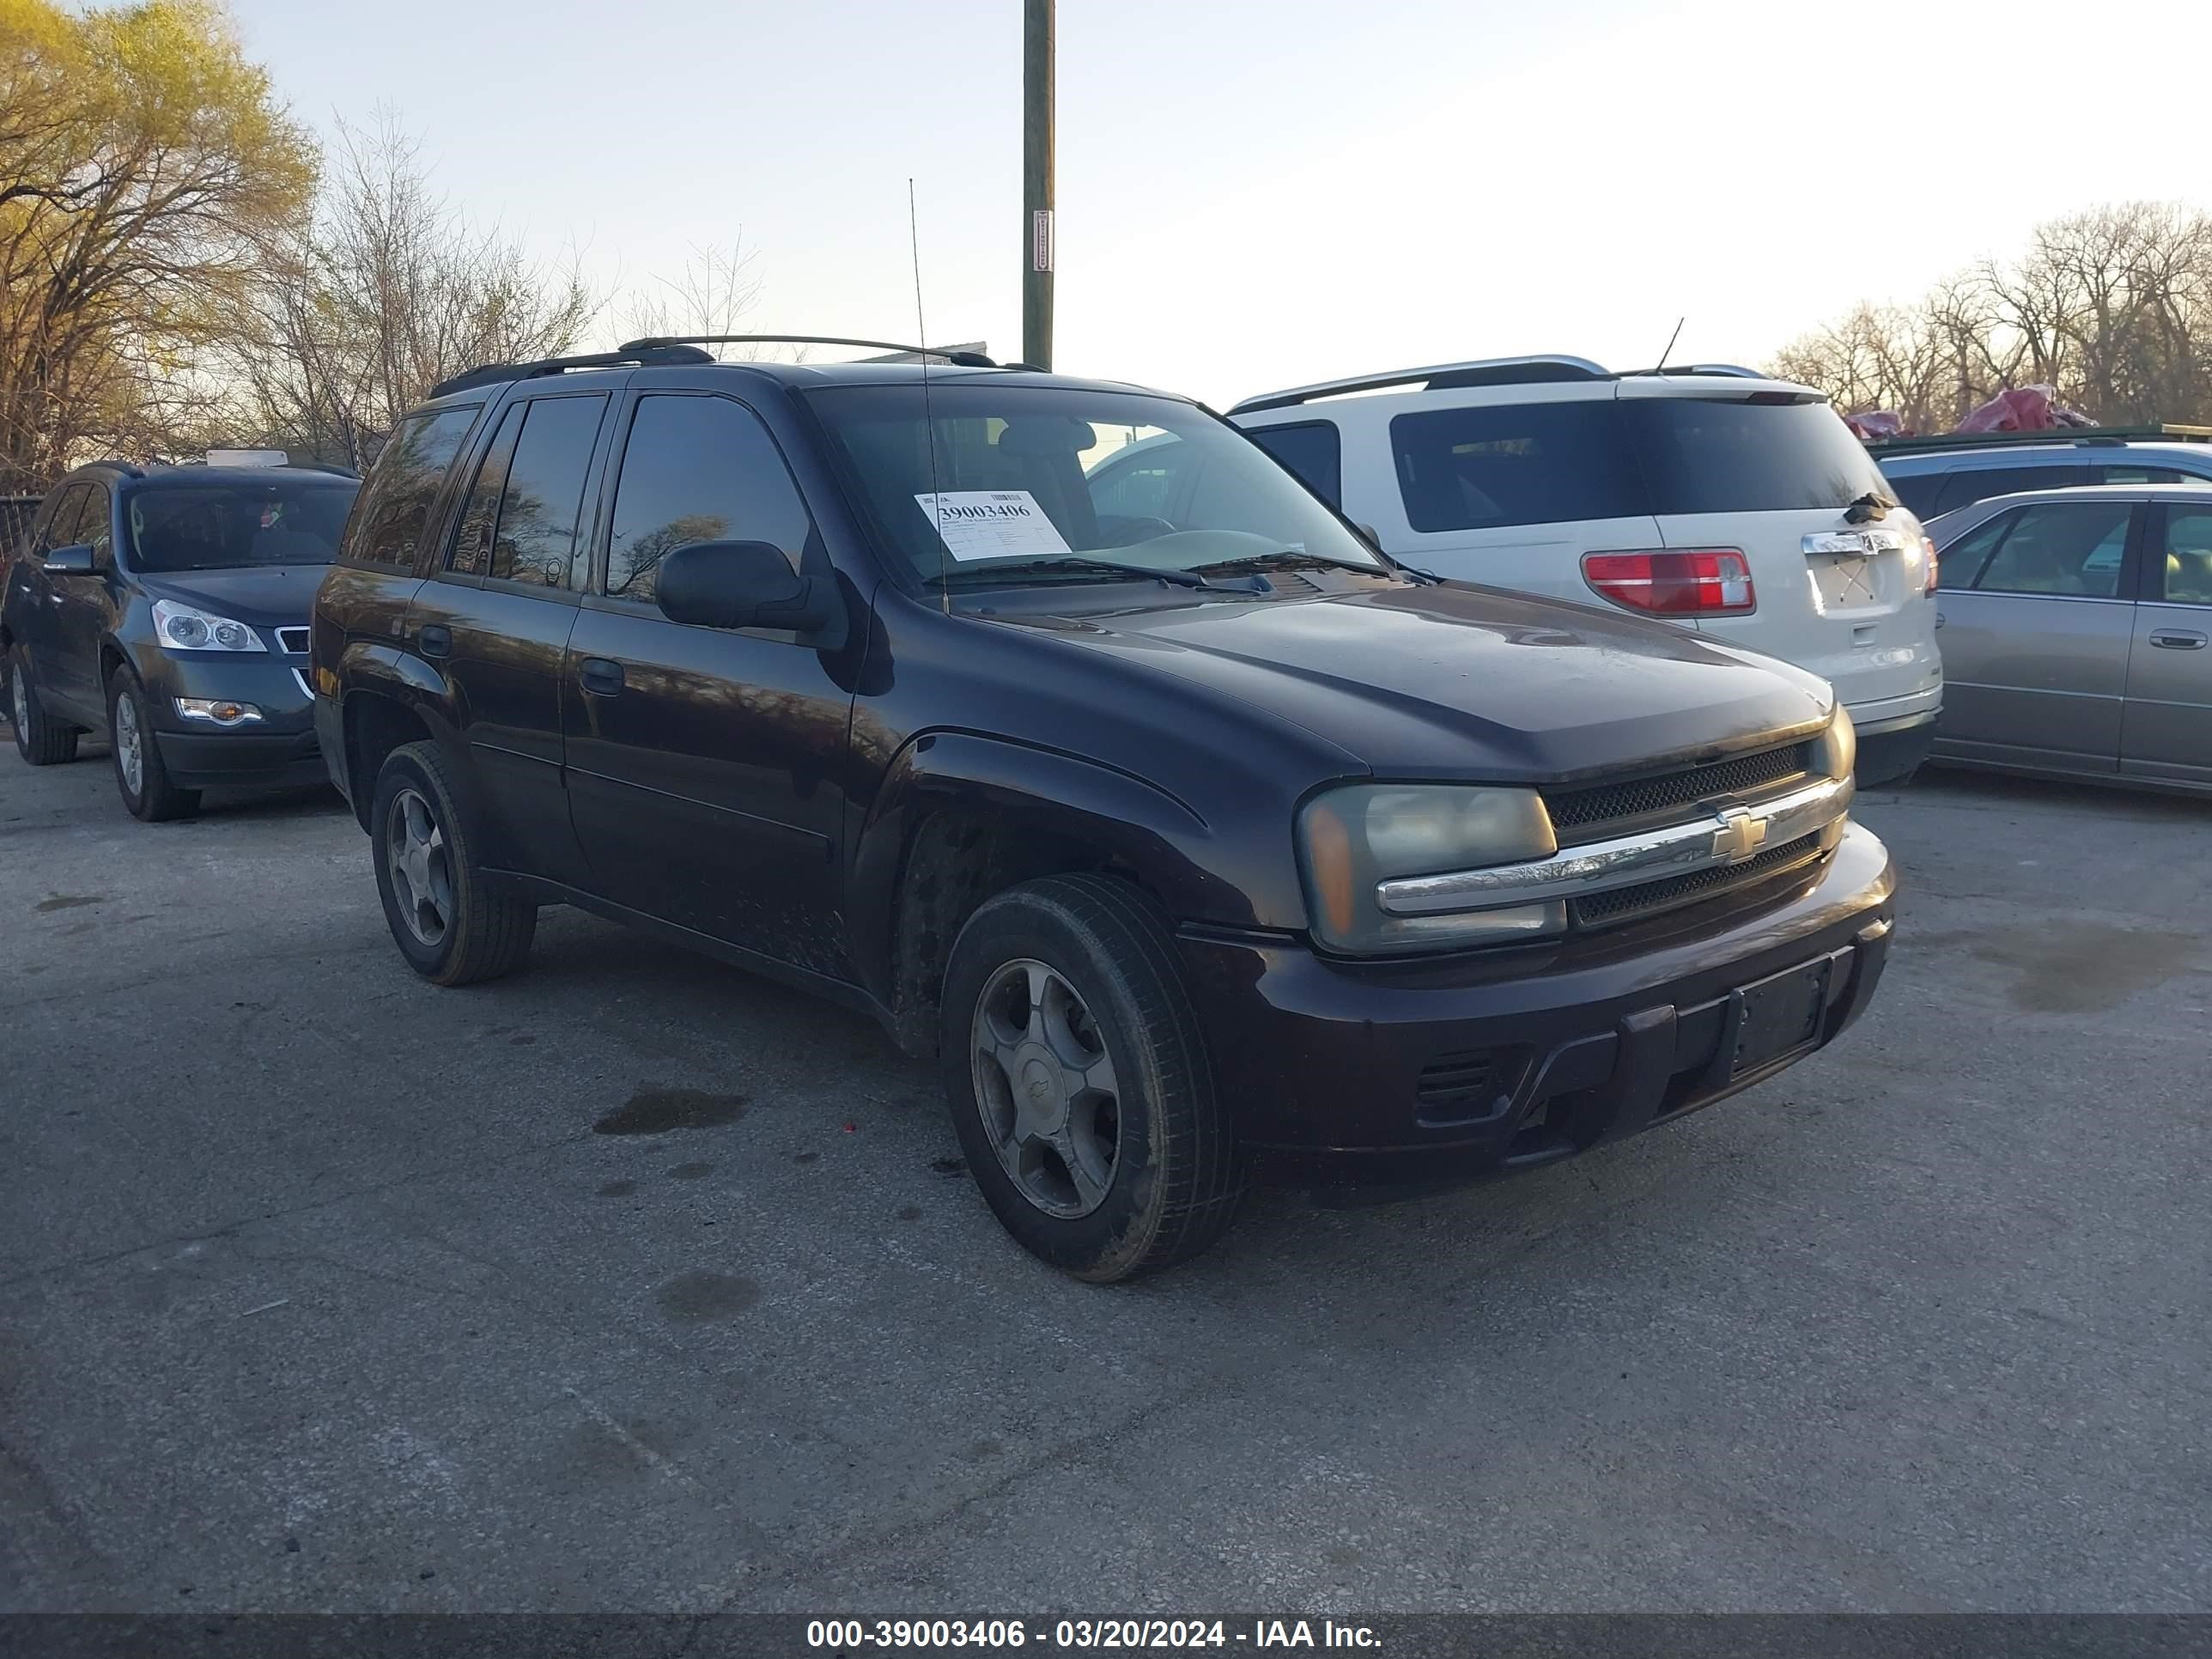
(276, 750)
(1410, 1076)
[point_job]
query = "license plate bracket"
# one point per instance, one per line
(1773, 1017)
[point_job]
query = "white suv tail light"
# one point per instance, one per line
(1689, 581)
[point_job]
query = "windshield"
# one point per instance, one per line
(1024, 476)
(220, 526)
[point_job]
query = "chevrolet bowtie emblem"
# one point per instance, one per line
(1740, 835)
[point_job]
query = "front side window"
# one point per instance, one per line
(2188, 563)
(2070, 548)
(403, 485)
(95, 522)
(223, 526)
(1311, 449)
(697, 469)
(994, 481)
(61, 524)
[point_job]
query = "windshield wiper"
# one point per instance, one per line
(1293, 559)
(1080, 565)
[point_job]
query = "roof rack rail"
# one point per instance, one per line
(648, 354)
(957, 356)
(327, 466)
(1486, 371)
(2080, 437)
(128, 469)
(1736, 371)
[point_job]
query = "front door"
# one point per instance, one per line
(2167, 730)
(497, 613)
(85, 608)
(706, 765)
(33, 600)
(2036, 621)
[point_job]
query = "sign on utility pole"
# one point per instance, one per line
(1036, 182)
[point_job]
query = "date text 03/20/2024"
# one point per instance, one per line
(856, 1634)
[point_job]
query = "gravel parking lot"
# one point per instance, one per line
(321, 1288)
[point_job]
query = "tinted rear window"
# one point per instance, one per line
(1969, 485)
(1716, 455)
(1918, 492)
(1469, 469)
(1310, 449)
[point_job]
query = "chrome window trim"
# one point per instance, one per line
(1718, 839)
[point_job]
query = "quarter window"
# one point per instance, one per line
(394, 507)
(2073, 548)
(697, 469)
(2187, 572)
(1311, 449)
(1469, 469)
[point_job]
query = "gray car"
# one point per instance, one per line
(1934, 476)
(2075, 631)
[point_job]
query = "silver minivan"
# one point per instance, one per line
(2077, 633)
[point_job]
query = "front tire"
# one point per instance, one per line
(40, 739)
(447, 922)
(142, 777)
(1078, 1081)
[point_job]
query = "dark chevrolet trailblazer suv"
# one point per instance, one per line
(1192, 854)
(167, 607)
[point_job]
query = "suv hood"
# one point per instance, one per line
(1456, 681)
(263, 595)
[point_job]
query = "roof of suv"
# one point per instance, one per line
(796, 376)
(2036, 448)
(1561, 376)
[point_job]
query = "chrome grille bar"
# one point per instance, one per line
(1716, 839)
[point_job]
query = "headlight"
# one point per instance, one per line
(217, 711)
(180, 628)
(1351, 838)
(1836, 751)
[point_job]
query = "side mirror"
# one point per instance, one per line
(742, 584)
(74, 560)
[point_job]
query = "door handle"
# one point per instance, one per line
(435, 638)
(600, 676)
(2177, 639)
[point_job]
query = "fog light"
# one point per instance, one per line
(217, 711)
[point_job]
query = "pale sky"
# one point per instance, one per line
(1257, 193)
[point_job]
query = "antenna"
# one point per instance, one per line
(928, 418)
(1671, 338)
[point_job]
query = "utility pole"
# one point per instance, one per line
(1036, 182)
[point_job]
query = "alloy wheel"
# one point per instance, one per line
(130, 745)
(421, 873)
(1045, 1085)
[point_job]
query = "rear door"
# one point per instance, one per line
(2166, 731)
(2037, 630)
(497, 613)
(1770, 474)
(1510, 493)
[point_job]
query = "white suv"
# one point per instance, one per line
(1739, 505)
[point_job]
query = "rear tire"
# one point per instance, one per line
(142, 777)
(1079, 1080)
(447, 922)
(40, 738)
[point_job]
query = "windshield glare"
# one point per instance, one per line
(1023, 473)
(220, 526)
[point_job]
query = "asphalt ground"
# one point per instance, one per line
(321, 1288)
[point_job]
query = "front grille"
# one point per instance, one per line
(1632, 903)
(1597, 810)
(293, 640)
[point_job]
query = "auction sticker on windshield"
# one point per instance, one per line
(993, 524)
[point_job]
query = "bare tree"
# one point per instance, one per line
(387, 290)
(716, 293)
(144, 163)
(2111, 307)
